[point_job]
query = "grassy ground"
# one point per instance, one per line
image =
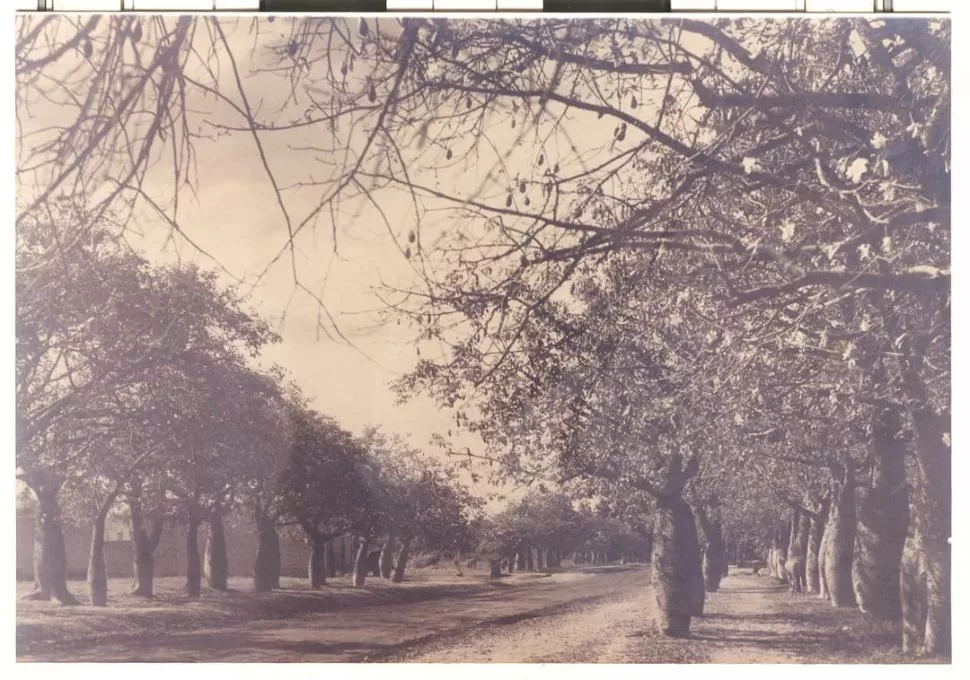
(127, 616)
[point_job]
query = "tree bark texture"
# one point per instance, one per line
(400, 564)
(50, 556)
(193, 568)
(840, 539)
(360, 564)
(216, 555)
(675, 566)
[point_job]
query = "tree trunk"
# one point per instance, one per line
(675, 566)
(529, 564)
(400, 564)
(316, 569)
(386, 557)
(50, 557)
(912, 586)
(265, 568)
(360, 564)
(97, 569)
(714, 558)
(495, 568)
(216, 556)
(883, 521)
(144, 544)
(815, 532)
(193, 569)
(932, 504)
(824, 550)
(840, 540)
(331, 560)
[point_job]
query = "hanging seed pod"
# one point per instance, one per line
(407, 253)
(620, 137)
(412, 237)
(363, 28)
(372, 93)
(468, 102)
(634, 103)
(513, 123)
(542, 159)
(136, 32)
(88, 49)
(343, 69)
(448, 154)
(521, 187)
(527, 202)
(292, 48)
(508, 201)
(555, 170)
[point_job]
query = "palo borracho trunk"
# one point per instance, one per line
(265, 569)
(317, 568)
(714, 560)
(97, 569)
(386, 559)
(401, 562)
(675, 566)
(932, 502)
(216, 555)
(883, 521)
(50, 556)
(815, 533)
(193, 565)
(840, 539)
(912, 589)
(360, 564)
(144, 543)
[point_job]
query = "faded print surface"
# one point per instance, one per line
(410, 339)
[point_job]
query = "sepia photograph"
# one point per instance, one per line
(500, 339)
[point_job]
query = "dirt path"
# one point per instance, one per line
(751, 620)
(362, 634)
(600, 615)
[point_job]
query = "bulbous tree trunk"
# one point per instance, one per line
(675, 566)
(400, 564)
(840, 539)
(912, 587)
(823, 552)
(265, 567)
(932, 505)
(193, 567)
(50, 556)
(883, 521)
(97, 569)
(714, 561)
(216, 555)
(144, 542)
(360, 564)
(815, 532)
(316, 568)
(387, 559)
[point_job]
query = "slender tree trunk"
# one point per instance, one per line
(266, 566)
(529, 563)
(316, 569)
(144, 544)
(386, 559)
(840, 541)
(400, 564)
(815, 533)
(331, 559)
(883, 521)
(50, 556)
(97, 569)
(823, 552)
(360, 564)
(193, 569)
(216, 555)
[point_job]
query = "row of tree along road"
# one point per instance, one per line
(696, 269)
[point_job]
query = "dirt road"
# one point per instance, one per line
(593, 615)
